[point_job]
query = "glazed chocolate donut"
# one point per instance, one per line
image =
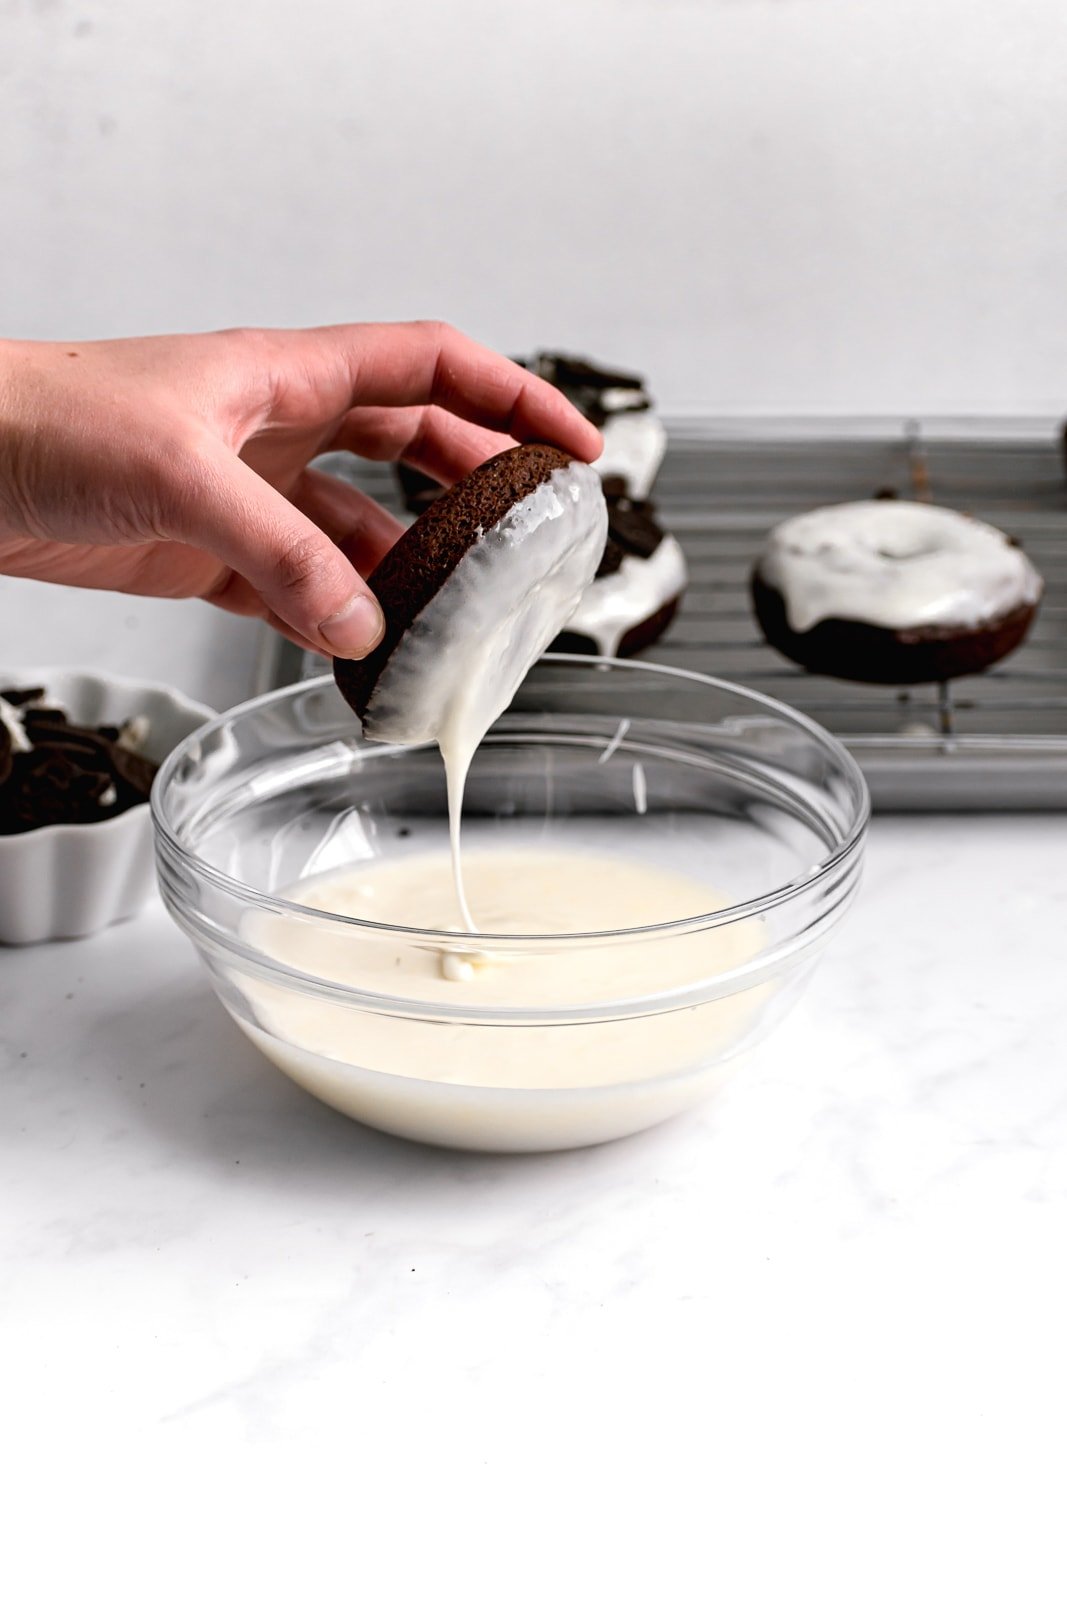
(892, 591)
(637, 589)
(474, 591)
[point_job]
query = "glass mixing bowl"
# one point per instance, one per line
(643, 764)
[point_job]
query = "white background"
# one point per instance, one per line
(772, 206)
(808, 1341)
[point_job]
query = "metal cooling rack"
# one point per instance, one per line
(993, 741)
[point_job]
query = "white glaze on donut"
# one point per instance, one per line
(620, 399)
(614, 604)
(465, 654)
(635, 443)
(11, 719)
(463, 657)
(895, 564)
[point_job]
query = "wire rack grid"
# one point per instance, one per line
(993, 741)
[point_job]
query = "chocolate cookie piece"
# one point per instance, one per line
(617, 403)
(576, 372)
(597, 392)
(632, 531)
(47, 786)
(59, 772)
(863, 653)
(133, 771)
(23, 696)
(410, 574)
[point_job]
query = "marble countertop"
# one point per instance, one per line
(808, 1339)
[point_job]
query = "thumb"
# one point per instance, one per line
(300, 574)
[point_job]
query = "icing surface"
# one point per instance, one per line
(516, 890)
(895, 564)
(612, 605)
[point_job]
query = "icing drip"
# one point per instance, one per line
(465, 654)
(635, 443)
(614, 604)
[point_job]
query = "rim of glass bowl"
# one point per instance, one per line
(445, 939)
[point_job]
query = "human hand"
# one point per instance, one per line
(178, 466)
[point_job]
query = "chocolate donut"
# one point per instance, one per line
(637, 589)
(891, 591)
(638, 586)
(474, 591)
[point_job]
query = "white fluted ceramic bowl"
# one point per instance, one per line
(73, 879)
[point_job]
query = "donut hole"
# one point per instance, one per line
(915, 552)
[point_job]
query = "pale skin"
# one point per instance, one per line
(179, 466)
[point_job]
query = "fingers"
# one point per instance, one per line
(301, 575)
(434, 441)
(429, 363)
(360, 528)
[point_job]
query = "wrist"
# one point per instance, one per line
(18, 434)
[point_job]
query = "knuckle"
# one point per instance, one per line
(296, 564)
(240, 337)
(181, 488)
(167, 467)
(436, 331)
(239, 352)
(182, 464)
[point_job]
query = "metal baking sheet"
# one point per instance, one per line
(995, 741)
